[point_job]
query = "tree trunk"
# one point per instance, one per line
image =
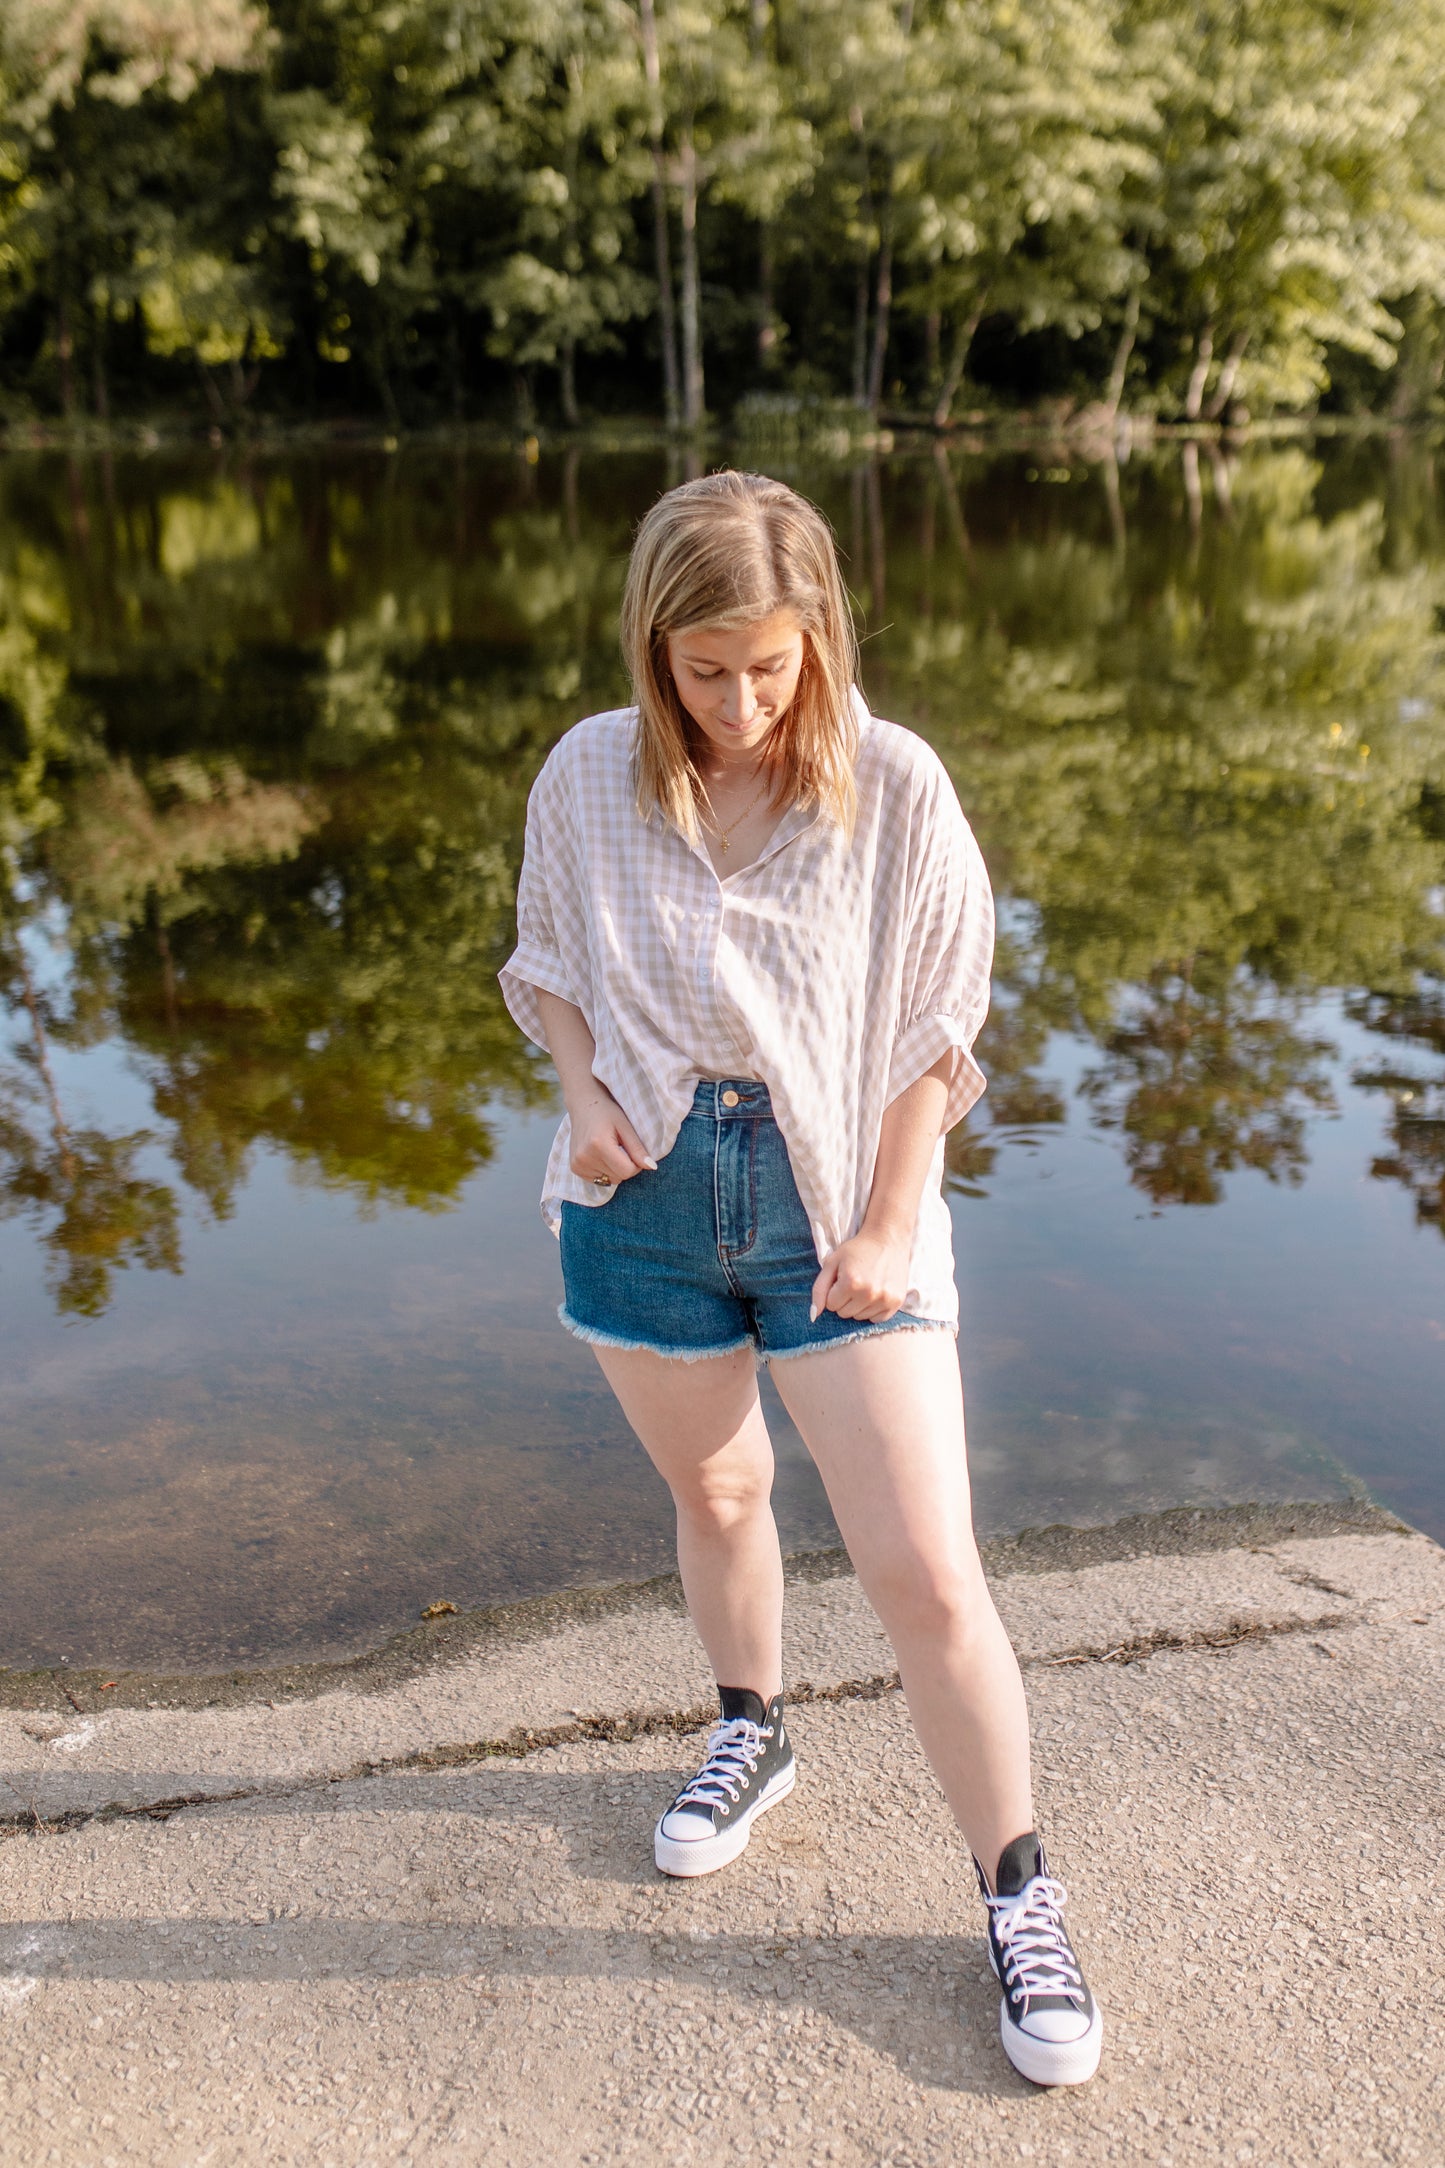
(168, 969)
(933, 350)
(877, 547)
(243, 384)
(692, 383)
(1228, 377)
(767, 311)
(64, 353)
(951, 503)
(883, 285)
(860, 334)
(1115, 503)
(1114, 389)
(882, 307)
(567, 356)
(1419, 360)
(214, 400)
(1199, 374)
(860, 294)
(1223, 490)
(758, 15)
(666, 305)
(567, 378)
(957, 362)
(661, 248)
(378, 348)
(454, 369)
(570, 464)
(42, 1063)
(99, 382)
(1192, 487)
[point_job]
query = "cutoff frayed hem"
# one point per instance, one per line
(850, 1339)
(593, 1338)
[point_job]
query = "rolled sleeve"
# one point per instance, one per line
(528, 971)
(923, 1043)
(538, 963)
(948, 957)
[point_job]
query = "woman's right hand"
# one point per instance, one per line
(604, 1142)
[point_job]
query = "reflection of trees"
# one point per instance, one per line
(1200, 1084)
(343, 1006)
(275, 777)
(1231, 757)
(80, 1185)
(128, 843)
(1416, 1157)
(1018, 1102)
(266, 734)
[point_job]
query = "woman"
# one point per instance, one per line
(754, 934)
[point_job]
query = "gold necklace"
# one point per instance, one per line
(725, 835)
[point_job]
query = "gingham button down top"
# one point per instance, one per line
(837, 972)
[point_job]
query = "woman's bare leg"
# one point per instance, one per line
(883, 1419)
(703, 1428)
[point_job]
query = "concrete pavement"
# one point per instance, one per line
(391, 1926)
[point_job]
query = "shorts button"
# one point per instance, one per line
(730, 1098)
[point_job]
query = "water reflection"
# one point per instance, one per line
(1200, 1084)
(267, 729)
(78, 1184)
(1416, 1092)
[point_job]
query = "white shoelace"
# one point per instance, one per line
(1032, 1945)
(733, 1751)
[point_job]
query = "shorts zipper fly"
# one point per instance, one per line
(734, 1189)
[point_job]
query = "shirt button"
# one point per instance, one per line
(730, 1098)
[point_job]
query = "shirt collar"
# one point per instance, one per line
(795, 820)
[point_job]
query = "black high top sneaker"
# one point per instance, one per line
(749, 1768)
(1052, 2028)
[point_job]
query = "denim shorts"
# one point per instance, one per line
(713, 1252)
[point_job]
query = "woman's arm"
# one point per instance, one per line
(603, 1139)
(867, 1277)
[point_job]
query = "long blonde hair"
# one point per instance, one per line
(726, 551)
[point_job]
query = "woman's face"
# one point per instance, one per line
(736, 685)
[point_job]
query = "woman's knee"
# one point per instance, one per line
(921, 1596)
(723, 1492)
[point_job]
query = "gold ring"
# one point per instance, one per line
(602, 1181)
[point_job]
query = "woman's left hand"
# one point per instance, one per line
(864, 1278)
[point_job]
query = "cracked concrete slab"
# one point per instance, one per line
(640, 1663)
(1239, 1773)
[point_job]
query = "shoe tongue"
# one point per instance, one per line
(1018, 1863)
(741, 1701)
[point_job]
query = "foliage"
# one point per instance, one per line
(266, 737)
(442, 210)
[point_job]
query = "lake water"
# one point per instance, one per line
(279, 1363)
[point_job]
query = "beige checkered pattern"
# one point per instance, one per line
(839, 973)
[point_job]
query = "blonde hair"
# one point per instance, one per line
(723, 552)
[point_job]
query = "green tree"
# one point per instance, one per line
(1036, 134)
(1286, 209)
(112, 135)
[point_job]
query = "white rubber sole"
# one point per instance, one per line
(704, 1855)
(1050, 2062)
